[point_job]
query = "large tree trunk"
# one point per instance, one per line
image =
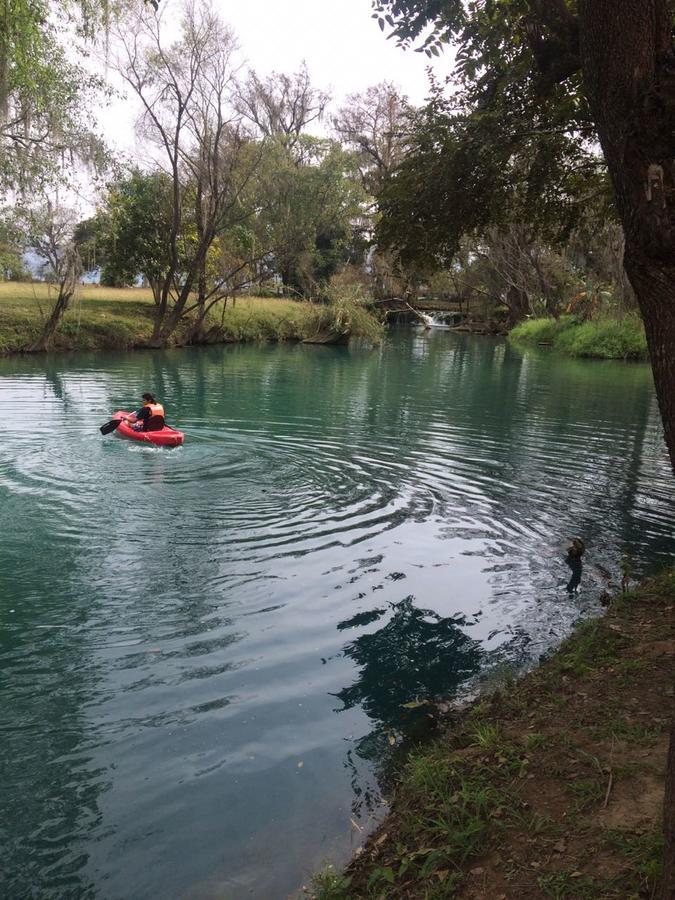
(518, 304)
(654, 285)
(628, 66)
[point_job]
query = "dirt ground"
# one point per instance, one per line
(552, 788)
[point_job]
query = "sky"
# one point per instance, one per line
(343, 46)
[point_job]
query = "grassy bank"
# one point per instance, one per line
(552, 787)
(601, 338)
(121, 318)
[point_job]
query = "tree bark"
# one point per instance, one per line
(628, 66)
(53, 321)
(627, 62)
(201, 274)
(654, 285)
(518, 304)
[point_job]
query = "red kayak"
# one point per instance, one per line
(165, 437)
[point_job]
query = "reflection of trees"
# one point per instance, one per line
(418, 655)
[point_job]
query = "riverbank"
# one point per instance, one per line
(601, 338)
(103, 318)
(552, 787)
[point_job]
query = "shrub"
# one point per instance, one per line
(605, 338)
(601, 338)
(537, 331)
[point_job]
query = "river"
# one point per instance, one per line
(205, 652)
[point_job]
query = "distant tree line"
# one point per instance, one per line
(465, 198)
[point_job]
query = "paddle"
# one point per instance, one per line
(110, 426)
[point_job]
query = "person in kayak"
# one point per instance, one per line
(150, 417)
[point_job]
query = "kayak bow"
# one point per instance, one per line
(165, 437)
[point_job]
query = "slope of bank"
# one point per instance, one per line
(602, 338)
(552, 787)
(103, 318)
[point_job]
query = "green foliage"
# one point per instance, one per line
(330, 885)
(593, 645)
(98, 318)
(538, 331)
(44, 96)
(12, 267)
(605, 338)
(130, 234)
(500, 149)
(487, 736)
(571, 886)
(468, 170)
(642, 851)
(602, 338)
(113, 318)
(306, 211)
(451, 807)
(347, 312)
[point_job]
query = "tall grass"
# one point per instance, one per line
(604, 338)
(121, 318)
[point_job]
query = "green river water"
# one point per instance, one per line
(205, 652)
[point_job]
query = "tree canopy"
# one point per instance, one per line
(545, 81)
(45, 97)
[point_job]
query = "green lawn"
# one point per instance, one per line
(121, 318)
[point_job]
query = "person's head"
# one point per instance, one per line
(148, 398)
(577, 548)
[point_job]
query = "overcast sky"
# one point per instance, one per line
(343, 46)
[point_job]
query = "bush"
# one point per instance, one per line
(600, 338)
(537, 331)
(605, 338)
(347, 311)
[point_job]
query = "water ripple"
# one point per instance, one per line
(342, 532)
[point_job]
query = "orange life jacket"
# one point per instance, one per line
(155, 421)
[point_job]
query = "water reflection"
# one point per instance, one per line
(416, 657)
(209, 650)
